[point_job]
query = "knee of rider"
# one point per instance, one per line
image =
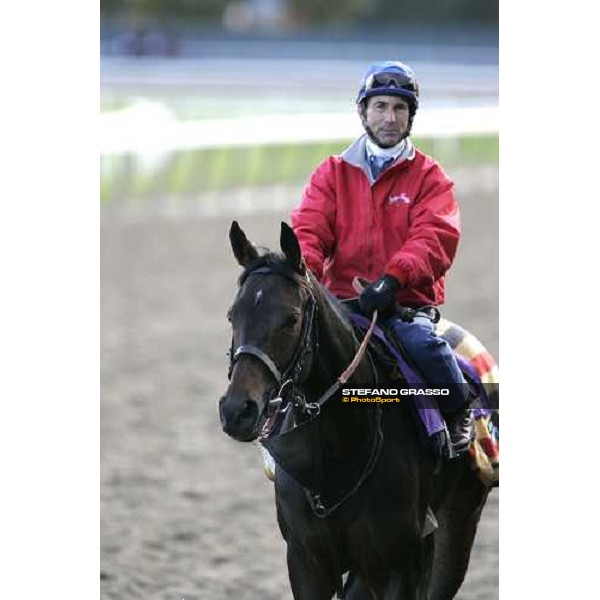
(420, 337)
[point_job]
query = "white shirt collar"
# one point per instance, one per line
(385, 153)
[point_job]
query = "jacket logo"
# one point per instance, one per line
(400, 199)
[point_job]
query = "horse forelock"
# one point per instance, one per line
(274, 262)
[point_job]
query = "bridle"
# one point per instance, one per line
(295, 373)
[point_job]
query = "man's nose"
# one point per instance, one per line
(390, 116)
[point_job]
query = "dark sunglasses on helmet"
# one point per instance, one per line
(399, 80)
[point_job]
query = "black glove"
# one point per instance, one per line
(379, 295)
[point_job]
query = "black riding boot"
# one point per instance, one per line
(460, 428)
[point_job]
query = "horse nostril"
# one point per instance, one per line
(248, 409)
(238, 417)
(222, 416)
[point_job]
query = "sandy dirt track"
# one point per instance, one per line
(186, 512)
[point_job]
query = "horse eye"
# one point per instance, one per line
(291, 320)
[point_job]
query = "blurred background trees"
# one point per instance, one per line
(308, 13)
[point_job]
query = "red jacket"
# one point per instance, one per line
(405, 224)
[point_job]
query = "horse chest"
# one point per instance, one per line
(372, 541)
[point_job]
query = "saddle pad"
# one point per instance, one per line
(431, 418)
(474, 360)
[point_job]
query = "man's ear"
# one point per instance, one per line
(243, 249)
(361, 109)
(291, 248)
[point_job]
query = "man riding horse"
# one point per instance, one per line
(385, 211)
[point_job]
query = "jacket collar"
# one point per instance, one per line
(356, 154)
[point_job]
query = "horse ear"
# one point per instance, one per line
(243, 249)
(291, 248)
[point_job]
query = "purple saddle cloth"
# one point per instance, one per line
(430, 416)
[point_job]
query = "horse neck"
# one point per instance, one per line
(337, 345)
(336, 437)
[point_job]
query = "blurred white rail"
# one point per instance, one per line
(149, 128)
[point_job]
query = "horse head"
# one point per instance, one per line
(270, 334)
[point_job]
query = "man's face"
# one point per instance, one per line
(387, 117)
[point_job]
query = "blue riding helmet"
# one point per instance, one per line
(390, 77)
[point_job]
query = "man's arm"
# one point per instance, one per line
(433, 236)
(313, 219)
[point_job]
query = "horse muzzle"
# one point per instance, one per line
(239, 418)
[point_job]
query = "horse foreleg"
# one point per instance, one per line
(355, 589)
(416, 575)
(310, 579)
(410, 580)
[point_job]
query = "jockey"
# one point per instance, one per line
(385, 211)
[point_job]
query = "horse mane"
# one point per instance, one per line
(335, 304)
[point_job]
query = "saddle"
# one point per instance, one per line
(480, 372)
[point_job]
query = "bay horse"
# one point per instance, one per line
(356, 492)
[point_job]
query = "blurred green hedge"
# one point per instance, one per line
(192, 173)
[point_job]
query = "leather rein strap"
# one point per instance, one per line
(343, 378)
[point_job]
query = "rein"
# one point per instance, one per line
(343, 378)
